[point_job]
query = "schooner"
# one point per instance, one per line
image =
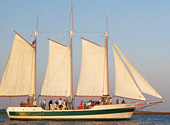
(19, 79)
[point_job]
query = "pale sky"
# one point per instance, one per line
(140, 28)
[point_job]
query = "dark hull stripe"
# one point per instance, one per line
(72, 113)
(73, 119)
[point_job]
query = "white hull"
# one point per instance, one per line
(102, 112)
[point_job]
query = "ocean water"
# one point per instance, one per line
(135, 120)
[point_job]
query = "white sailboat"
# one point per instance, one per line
(19, 79)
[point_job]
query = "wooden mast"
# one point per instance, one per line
(106, 47)
(35, 45)
(71, 36)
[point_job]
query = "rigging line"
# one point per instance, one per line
(65, 37)
(87, 8)
(140, 108)
(146, 72)
(112, 41)
(99, 38)
(156, 105)
(53, 9)
(53, 19)
(86, 32)
(92, 22)
(54, 32)
(144, 69)
(74, 31)
(116, 27)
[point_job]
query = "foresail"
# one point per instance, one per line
(18, 78)
(57, 80)
(124, 84)
(92, 80)
(140, 80)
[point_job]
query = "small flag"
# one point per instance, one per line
(33, 44)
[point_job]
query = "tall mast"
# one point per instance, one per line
(71, 36)
(106, 47)
(35, 45)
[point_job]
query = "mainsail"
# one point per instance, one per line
(92, 80)
(142, 83)
(124, 84)
(18, 78)
(57, 80)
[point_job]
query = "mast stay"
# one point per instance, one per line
(71, 52)
(35, 46)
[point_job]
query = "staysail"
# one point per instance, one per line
(92, 80)
(57, 80)
(124, 84)
(18, 78)
(142, 83)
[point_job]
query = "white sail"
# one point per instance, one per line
(92, 80)
(140, 80)
(18, 78)
(57, 80)
(124, 84)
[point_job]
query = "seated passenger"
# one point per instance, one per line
(117, 101)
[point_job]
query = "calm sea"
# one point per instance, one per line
(135, 120)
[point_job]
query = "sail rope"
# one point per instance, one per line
(91, 22)
(61, 10)
(53, 19)
(55, 9)
(156, 105)
(88, 8)
(138, 60)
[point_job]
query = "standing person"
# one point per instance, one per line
(84, 104)
(60, 104)
(50, 103)
(64, 105)
(81, 103)
(67, 104)
(110, 100)
(28, 99)
(31, 101)
(44, 104)
(35, 103)
(56, 104)
(71, 103)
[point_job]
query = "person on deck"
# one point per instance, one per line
(50, 103)
(35, 103)
(84, 104)
(56, 105)
(44, 104)
(97, 102)
(28, 99)
(64, 105)
(81, 103)
(60, 104)
(67, 104)
(117, 101)
(71, 103)
(123, 101)
(110, 100)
